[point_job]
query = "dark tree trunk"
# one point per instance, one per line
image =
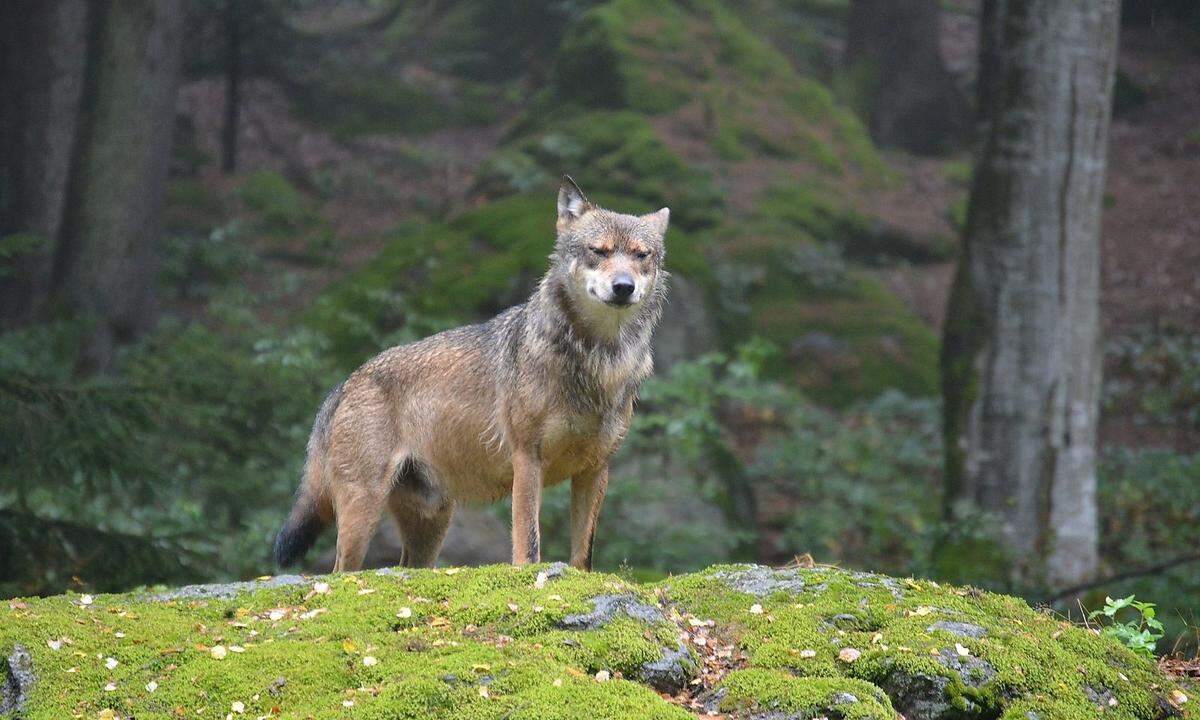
(43, 52)
(105, 261)
(908, 96)
(1021, 358)
(233, 82)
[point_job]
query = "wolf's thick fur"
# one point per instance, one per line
(540, 393)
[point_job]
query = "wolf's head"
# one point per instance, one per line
(611, 262)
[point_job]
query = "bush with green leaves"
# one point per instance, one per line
(185, 456)
(1140, 631)
(1157, 373)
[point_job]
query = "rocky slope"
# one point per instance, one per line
(549, 642)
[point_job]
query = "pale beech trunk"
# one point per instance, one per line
(1021, 358)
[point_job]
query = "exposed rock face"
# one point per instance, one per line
(226, 591)
(17, 680)
(760, 581)
(667, 674)
(960, 629)
(607, 607)
(671, 672)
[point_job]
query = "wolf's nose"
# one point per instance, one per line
(622, 287)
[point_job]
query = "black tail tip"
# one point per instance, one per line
(295, 539)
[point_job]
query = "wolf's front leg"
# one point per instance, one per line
(587, 493)
(526, 502)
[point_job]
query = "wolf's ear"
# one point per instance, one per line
(658, 220)
(571, 202)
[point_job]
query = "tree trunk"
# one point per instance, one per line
(233, 83)
(909, 97)
(43, 52)
(105, 262)
(1021, 357)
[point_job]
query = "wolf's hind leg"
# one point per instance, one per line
(358, 512)
(422, 529)
(422, 512)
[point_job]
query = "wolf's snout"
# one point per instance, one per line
(622, 287)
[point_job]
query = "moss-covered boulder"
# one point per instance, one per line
(550, 642)
(788, 275)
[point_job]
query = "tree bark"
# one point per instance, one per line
(909, 97)
(105, 261)
(1021, 355)
(233, 83)
(43, 52)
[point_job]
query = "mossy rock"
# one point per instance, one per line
(550, 642)
(610, 154)
(818, 213)
(655, 57)
(843, 335)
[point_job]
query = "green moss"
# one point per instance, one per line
(908, 627)
(460, 632)
(611, 154)
(488, 643)
(606, 59)
(270, 194)
(819, 214)
(864, 340)
(654, 57)
(770, 690)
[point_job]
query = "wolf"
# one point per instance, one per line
(540, 393)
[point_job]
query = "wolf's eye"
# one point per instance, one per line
(600, 252)
(642, 255)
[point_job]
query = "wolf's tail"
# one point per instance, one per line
(313, 509)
